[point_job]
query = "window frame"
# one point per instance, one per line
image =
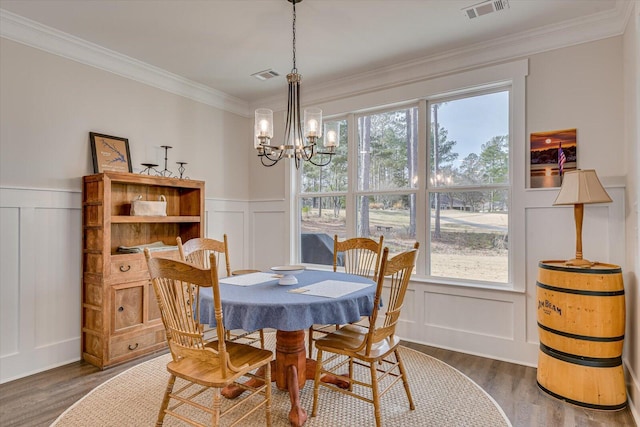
(439, 189)
(510, 76)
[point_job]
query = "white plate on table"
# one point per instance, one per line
(288, 273)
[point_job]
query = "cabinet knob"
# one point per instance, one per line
(124, 268)
(134, 347)
(121, 309)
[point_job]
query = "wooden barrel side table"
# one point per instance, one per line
(581, 322)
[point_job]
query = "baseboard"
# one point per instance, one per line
(633, 394)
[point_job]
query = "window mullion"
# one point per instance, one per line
(352, 171)
(422, 211)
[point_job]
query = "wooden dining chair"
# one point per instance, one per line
(373, 347)
(203, 365)
(197, 251)
(360, 256)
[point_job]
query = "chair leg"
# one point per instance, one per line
(215, 416)
(376, 395)
(267, 379)
(316, 383)
(262, 339)
(350, 373)
(311, 342)
(165, 400)
(405, 381)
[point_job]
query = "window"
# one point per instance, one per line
(468, 188)
(322, 202)
(387, 177)
(436, 171)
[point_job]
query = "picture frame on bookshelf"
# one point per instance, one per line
(110, 153)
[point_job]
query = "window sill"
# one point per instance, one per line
(509, 288)
(443, 282)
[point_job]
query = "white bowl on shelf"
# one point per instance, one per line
(288, 273)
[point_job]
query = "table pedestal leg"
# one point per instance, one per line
(290, 351)
(290, 371)
(291, 360)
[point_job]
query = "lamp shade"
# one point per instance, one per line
(581, 187)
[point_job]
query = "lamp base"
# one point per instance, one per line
(581, 263)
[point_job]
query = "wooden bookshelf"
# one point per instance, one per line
(120, 316)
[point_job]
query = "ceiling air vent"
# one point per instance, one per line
(485, 8)
(265, 75)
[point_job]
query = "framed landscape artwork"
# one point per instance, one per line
(552, 154)
(110, 153)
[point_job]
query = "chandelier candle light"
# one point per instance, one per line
(295, 145)
(580, 187)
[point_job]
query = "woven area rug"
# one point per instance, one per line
(443, 396)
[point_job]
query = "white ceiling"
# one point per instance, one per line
(220, 43)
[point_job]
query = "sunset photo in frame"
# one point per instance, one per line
(110, 153)
(553, 153)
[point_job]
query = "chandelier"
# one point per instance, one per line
(300, 143)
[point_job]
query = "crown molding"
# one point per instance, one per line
(568, 33)
(22, 30)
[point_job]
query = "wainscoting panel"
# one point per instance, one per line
(40, 273)
(230, 217)
(41, 282)
(9, 281)
(485, 322)
(57, 266)
(491, 318)
(270, 229)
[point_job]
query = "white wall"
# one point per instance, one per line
(631, 46)
(48, 106)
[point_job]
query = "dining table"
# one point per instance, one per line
(257, 301)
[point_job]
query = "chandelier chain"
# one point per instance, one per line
(294, 69)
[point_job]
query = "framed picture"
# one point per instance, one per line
(552, 154)
(110, 153)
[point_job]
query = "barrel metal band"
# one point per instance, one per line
(581, 291)
(581, 270)
(583, 404)
(580, 337)
(594, 362)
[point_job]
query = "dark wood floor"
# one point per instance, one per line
(39, 399)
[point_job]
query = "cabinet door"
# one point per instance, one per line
(128, 305)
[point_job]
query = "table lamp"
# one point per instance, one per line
(580, 187)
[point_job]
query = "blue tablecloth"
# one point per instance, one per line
(269, 305)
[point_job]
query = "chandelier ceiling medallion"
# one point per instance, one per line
(295, 146)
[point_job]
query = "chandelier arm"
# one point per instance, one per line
(272, 162)
(270, 157)
(321, 163)
(308, 151)
(298, 123)
(287, 127)
(274, 158)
